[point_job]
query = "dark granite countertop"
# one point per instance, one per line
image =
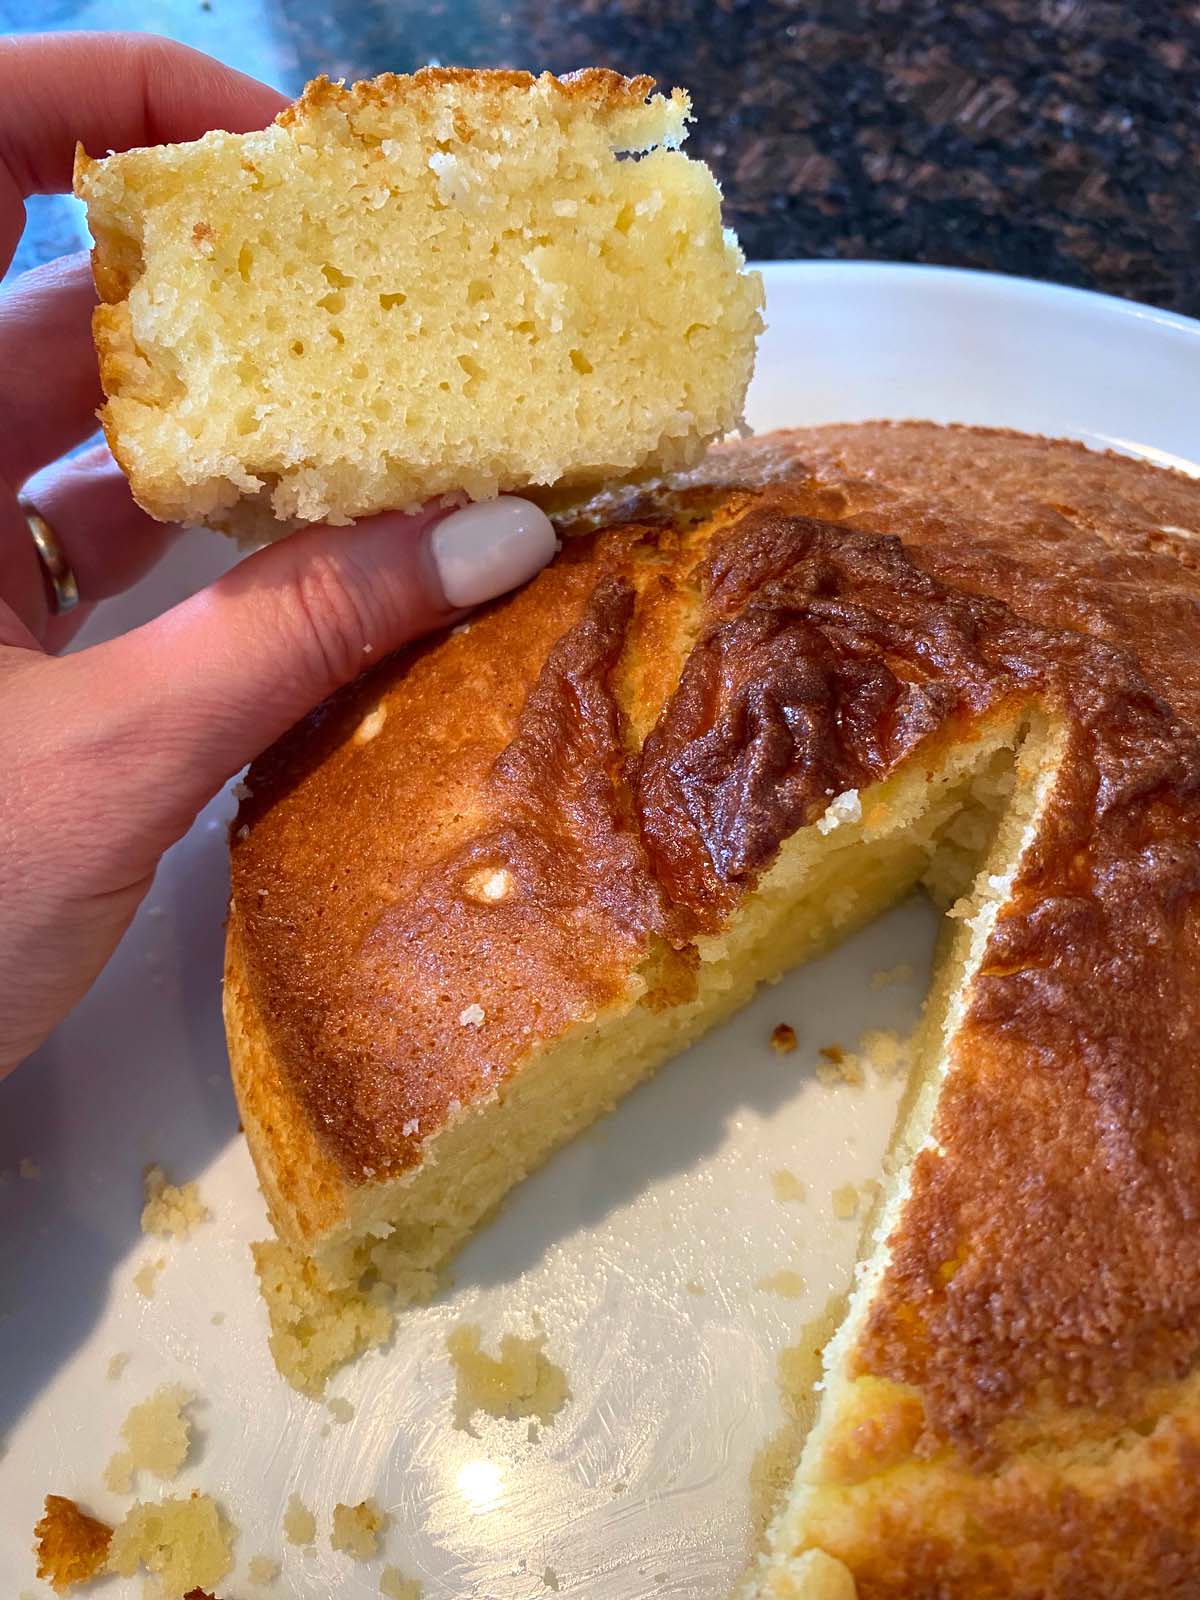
(1052, 138)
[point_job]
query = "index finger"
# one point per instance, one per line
(109, 91)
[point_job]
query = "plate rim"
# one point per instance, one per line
(987, 282)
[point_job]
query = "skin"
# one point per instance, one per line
(107, 754)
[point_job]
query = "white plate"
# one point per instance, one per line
(640, 1488)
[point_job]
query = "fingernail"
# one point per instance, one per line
(491, 547)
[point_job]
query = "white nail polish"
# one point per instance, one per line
(491, 547)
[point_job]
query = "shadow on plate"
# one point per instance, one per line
(119, 1085)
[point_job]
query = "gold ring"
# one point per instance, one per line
(55, 565)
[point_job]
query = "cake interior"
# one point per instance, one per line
(309, 322)
(951, 818)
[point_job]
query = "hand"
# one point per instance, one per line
(107, 754)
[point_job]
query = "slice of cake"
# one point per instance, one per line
(739, 717)
(459, 281)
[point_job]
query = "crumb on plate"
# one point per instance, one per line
(146, 1277)
(357, 1529)
(157, 1436)
(788, 1284)
(263, 1571)
(783, 1039)
(521, 1382)
(186, 1543)
(786, 1186)
(299, 1524)
(170, 1211)
(70, 1546)
(886, 976)
(396, 1586)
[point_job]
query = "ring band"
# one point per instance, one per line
(63, 587)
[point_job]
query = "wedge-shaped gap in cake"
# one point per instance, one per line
(866, 1432)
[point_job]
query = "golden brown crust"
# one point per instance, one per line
(579, 961)
(70, 1546)
(597, 88)
(1029, 1531)
(851, 591)
(303, 1187)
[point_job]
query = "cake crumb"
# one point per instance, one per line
(787, 1186)
(839, 1066)
(263, 1571)
(521, 1382)
(340, 1410)
(886, 976)
(869, 1191)
(550, 1579)
(888, 1052)
(117, 1364)
(396, 1586)
(299, 1524)
(472, 1016)
(357, 1529)
(28, 1168)
(184, 1543)
(157, 1436)
(146, 1277)
(846, 807)
(785, 1282)
(783, 1039)
(492, 884)
(70, 1546)
(371, 725)
(170, 1211)
(849, 1199)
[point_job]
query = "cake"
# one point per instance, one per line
(485, 890)
(458, 281)
(71, 1546)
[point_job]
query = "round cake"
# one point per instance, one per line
(484, 891)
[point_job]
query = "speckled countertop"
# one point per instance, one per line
(1053, 138)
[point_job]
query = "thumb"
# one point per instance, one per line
(216, 679)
